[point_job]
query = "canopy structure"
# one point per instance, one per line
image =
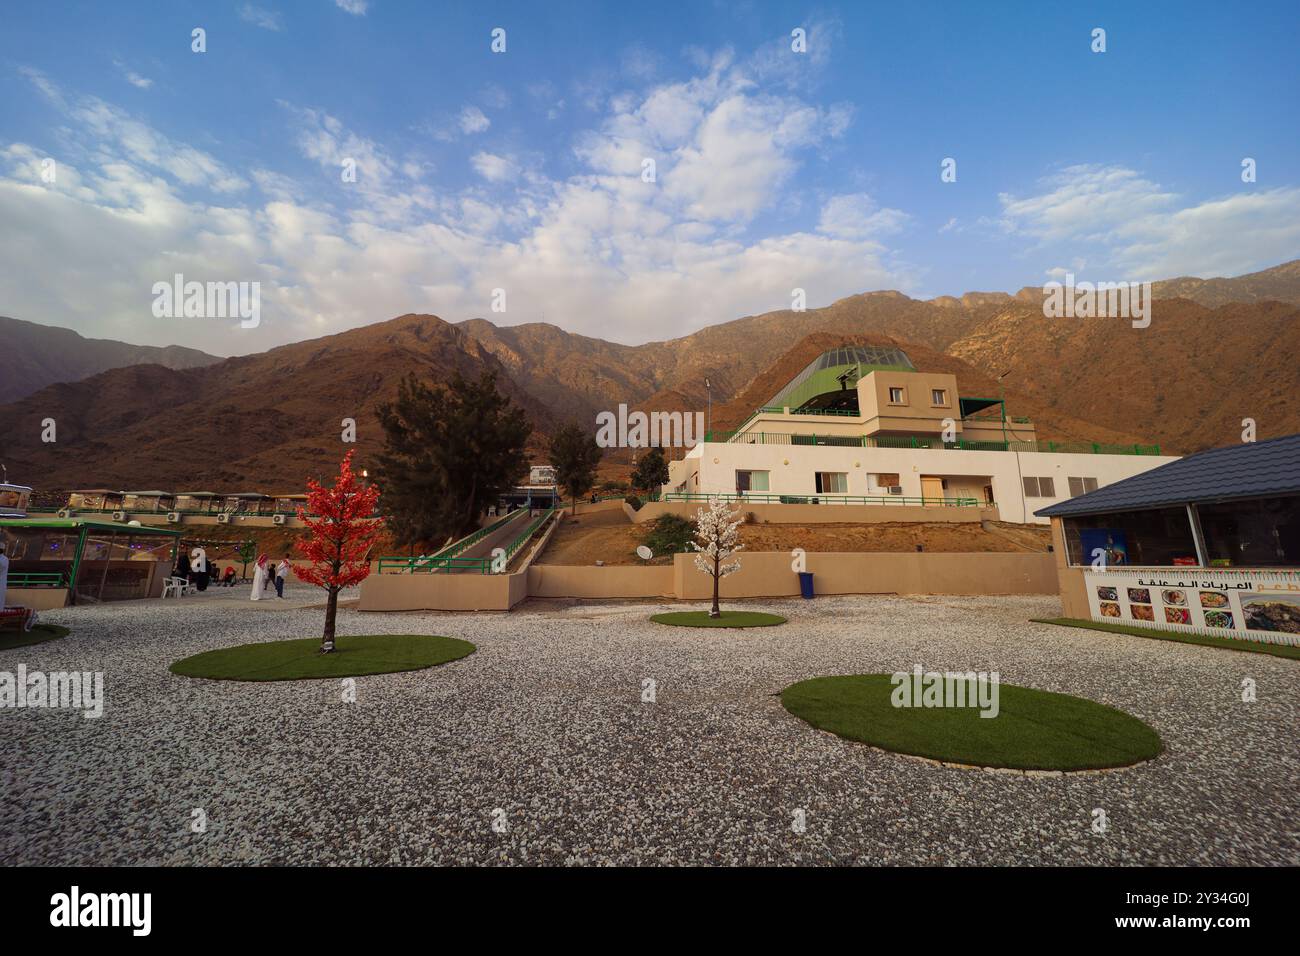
(830, 380)
(90, 560)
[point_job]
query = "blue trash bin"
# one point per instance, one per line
(805, 583)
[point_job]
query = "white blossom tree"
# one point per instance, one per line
(716, 539)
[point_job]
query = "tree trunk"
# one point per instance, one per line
(715, 612)
(331, 611)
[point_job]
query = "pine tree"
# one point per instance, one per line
(341, 531)
(575, 455)
(716, 539)
(449, 454)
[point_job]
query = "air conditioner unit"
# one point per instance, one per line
(895, 489)
(119, 515)
(223, 518)
(279, 519)
(173, 517)
(65, 513)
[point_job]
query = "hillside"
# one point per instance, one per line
(261, 422)
(35, 356)
(1184, 383)
(265, 421)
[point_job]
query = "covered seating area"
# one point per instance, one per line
(53, 563)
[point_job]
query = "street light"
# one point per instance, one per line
(1002, 394)
(708, 425)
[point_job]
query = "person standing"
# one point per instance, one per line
(281, 572)
(259, 577)
(4, 571)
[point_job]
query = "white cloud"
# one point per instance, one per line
(132, 77)
(355, 7)
(665, 258)
(472, 120)
(1129, 224)
(260, 17)
(1084, 202)
(857, 216)
(493, 168)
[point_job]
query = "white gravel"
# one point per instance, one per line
(546, 723)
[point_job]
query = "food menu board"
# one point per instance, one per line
(1257, 605)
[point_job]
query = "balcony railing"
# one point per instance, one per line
(921, 442)
(823, 499)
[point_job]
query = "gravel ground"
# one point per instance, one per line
(546, 724)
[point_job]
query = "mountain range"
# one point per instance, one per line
(38, 355)
(1216, 352)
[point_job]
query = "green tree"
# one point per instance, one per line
(574, 455)
(449, 453)
(247, 552)
(651, 471)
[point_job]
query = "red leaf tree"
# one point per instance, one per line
(342, 530)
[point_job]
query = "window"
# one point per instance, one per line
(1261, 532)
(752, 480)
(1160, 537)
(886, 480)
(896, 396)
(1081, 486)
(939, 396)
(1040, 488)
(832, 483)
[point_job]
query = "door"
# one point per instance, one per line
(932, 488)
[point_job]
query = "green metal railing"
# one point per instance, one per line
(920, 441)
(37, 579)
(823, 499)
(444, 562)
(52, 509)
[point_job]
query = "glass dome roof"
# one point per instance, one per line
(821, 375)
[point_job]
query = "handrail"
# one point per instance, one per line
(826, 499)
(928, 442)
(456, 547)
(443, 562)
(36, 579)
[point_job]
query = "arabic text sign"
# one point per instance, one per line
(1258, 605)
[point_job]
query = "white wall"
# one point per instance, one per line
(793, 468)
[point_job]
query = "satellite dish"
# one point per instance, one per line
(644, 553)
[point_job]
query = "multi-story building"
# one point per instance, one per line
(861, 425)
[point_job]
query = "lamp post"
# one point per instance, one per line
(1002, 395)
(708, 426)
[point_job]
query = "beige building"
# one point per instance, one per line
(861, 425)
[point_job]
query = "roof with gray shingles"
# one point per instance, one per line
(1248, 470)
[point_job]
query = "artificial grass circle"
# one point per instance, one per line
(354, 656)
(1033, 729)
(39, 634)
(727, 619)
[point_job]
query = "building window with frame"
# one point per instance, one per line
(939, 396)
(1081, 486)
(897, 396)
(752, 481)
(1039, 487)
(832, 483)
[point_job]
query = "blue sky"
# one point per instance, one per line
(522, 170)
